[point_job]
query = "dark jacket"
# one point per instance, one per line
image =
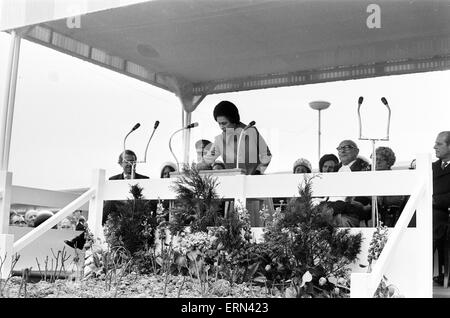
(358, 165)
(441, 198)
(120, 176)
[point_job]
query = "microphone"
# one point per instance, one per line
(170, 140)
(124, 148)
(360, 101)
(385, 102)
(251, 124)
(148, 143)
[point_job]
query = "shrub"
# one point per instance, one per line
(301, 241)
(132, 225)
(197, 202)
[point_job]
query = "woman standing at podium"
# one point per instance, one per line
(254, 154)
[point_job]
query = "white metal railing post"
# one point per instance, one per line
(5, 200)
(425, 227)
(96, 203)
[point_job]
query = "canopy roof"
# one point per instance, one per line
(198, 47)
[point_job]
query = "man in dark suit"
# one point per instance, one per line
(441, 198)
(127, 161)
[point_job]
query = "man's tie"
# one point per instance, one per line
(444, 164)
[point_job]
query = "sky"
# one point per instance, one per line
(71, 117)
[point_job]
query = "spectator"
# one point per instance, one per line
(66, 224)
(302, 166)
(441, 198)
(328, 163)
(389, 207)
(42, 216)
(254, 155)
(350, 211)
(30, 217)
(17, 220)
(127, 161)
(167, 168)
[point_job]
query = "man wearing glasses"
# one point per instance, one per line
(348, 154)
(127, 160)
(349, 211)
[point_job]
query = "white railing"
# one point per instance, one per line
(416, 183)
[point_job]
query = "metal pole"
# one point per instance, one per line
(319, 136)
(187, 138)
(6, 100)
(12, 99)
(374, 198)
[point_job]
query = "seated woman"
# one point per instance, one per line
(389, 207)
(328, 163)
(302, 166)
(167, 168)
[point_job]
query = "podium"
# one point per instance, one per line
(217, 173)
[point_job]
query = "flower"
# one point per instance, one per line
(322, 281)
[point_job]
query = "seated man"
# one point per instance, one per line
(349, 211)
(127, 161)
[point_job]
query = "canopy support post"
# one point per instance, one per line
(9, 100)
(188, 104)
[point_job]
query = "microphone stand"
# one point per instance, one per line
(375, 216)
(148, 143)
(170, 141)
(133, 164)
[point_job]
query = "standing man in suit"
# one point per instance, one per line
(441, 198)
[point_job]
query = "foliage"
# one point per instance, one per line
(132, 225)
(301, 241)
(197, 199)
(377, 243)
(379, 239)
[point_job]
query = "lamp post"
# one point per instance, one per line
(319, 105)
